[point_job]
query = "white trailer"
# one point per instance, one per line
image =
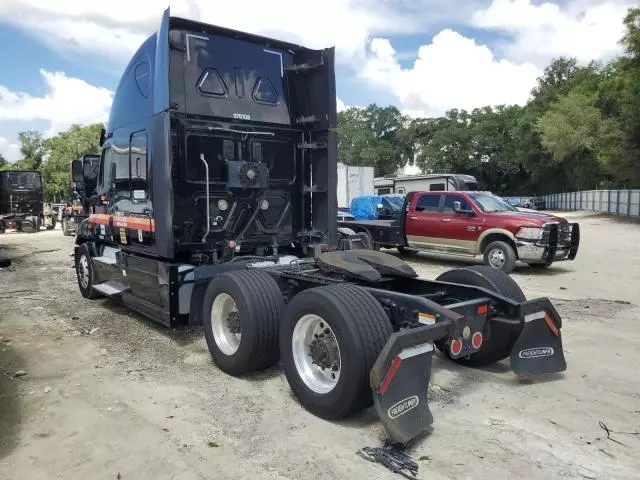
(425, 183)
(353, 181)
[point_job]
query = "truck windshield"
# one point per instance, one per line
(23, 180)
(490, 203)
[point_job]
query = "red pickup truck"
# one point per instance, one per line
(474, 223)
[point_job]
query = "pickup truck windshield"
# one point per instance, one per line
(489, 203)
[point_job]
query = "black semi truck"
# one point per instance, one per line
(22, 201)
(216, 207)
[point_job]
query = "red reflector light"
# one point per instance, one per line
(551, 325)
(456, 346)
(483, 309)
(389, 376)
(476, 340)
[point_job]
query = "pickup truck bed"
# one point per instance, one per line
(387, 233)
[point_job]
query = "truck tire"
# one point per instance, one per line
(368, 240)
(241, 314)
(85, 272)
(498, 338)
(501, 256)
(5, 262)
(354, 329)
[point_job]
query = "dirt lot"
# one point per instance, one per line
(109, 395)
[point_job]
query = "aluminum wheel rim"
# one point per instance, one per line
(317, 379)
(496, 258)
(83, 271)
(228, 342)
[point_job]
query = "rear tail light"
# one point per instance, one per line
(456, 346)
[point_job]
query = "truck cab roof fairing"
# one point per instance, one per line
(146, 86)
(133, 98)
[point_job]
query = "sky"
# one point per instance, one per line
(61, 60)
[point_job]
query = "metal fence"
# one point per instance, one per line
(617, 202)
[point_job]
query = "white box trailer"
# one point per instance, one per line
(353, 181)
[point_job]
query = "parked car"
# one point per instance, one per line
(475, 223)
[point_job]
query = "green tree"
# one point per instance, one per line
(32, 150)
(3, 162)
(480, 143)
(61, 150)
(375, 137)
(577, 134)
(631, 39)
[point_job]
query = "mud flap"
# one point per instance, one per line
(538, 349)
(400, 381)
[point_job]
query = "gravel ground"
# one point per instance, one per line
(101, 393)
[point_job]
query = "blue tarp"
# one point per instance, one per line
(365, 207)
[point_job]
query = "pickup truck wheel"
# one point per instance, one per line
(499, 338)
(500, 255)
(330, 338)
(241, 312)
(85, 273)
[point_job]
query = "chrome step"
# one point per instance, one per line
(111, 288)
(105, 260)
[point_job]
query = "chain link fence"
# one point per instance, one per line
(617, 202)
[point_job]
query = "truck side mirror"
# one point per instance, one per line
(102, 134)
(77, 175)
(457, 207)
(76, 171)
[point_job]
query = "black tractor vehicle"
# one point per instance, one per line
(84, 180)
(22, 204)
(216, 207)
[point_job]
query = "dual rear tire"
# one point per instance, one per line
(328, 338)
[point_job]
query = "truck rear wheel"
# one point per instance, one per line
(241, 314)
(499, 338)
(501, 256)
(330, 338)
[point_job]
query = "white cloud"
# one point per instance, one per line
(114, 33)
(453, 71)
(68, 100)
(585, 29)
(10, 151)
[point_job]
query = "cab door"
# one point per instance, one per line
(460, 230)
(423, 221)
